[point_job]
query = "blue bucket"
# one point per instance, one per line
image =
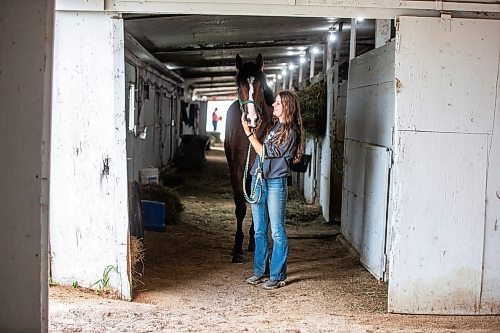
(153, 215)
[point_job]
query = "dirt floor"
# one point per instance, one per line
(190, 284)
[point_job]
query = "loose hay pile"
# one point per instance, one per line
(173, 205)
(298, 211)
(137, 255)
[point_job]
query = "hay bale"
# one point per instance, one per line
(173, 205)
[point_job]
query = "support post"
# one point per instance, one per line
(311, 67)
(352, 49)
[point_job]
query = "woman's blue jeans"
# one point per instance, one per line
(271, 209)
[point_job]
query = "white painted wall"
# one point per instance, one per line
(25, 84)
(368, 146)
(444, 246)
(89, 215)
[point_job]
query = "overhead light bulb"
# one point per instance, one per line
(315, 50)
(283, 72)
(280, 76)
(332, 37)
(291, 67)
(360, 19)
(302, 60)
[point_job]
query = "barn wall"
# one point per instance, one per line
(444, 246)
(88, 211)
(25, 84)
(152, 141)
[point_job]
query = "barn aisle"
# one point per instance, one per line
(190, 284)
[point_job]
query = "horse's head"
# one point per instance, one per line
(253, 93)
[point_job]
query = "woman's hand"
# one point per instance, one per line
(245, 125)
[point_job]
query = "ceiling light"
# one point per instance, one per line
(332, 37)
(302, 59)
(280, 76)
(283, 72)
(291, 67)
(360, 19)
(315, 50)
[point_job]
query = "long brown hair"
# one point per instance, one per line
(292, 120)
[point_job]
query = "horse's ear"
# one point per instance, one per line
(259, 61)
(239, 62)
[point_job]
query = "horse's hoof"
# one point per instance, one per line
(239, 259)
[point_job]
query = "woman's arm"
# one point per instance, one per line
(257, 146)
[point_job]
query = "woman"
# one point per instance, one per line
(282, 146)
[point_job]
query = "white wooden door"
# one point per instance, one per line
(446, 72)
(376, 180)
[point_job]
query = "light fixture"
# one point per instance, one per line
(274, 79)
(315, 50)
(283, 72)
(302, 59)
(360, 19)
(291, 67)
(270, 82)
(331, 36)
(280, 76)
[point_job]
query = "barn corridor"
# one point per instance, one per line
(190, 284)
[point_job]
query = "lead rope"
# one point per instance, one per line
(258, 182)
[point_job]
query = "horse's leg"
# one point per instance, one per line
(240, 212)
(251, 240)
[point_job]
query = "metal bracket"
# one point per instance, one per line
(445, 15)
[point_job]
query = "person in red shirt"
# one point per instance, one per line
(215, 119)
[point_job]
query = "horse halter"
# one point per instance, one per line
(253, 116)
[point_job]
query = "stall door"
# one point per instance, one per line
(446, 72)
(367, 161)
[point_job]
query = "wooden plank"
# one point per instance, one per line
(373, 67)
(370, 114)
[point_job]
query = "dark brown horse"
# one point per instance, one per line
(255, 99)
